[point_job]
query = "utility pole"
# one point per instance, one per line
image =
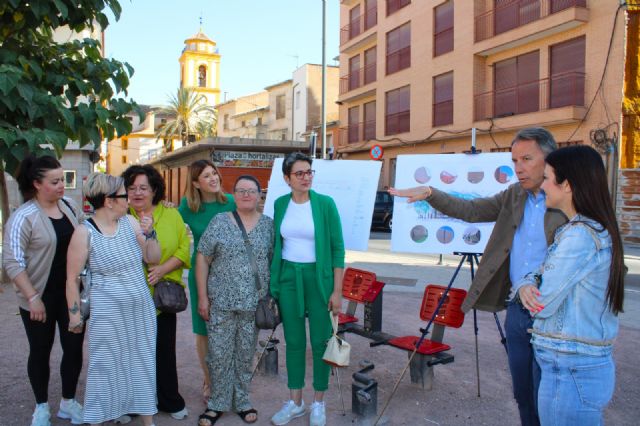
(323, 117)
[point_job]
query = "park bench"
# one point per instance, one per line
(431, 351)
(361, 287)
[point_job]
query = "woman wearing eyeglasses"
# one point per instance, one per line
(203, 200)
(146, 188)
(306, 278)
(227, 297)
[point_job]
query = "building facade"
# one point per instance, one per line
(200, 67)
(417, 76)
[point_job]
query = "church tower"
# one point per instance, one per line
(200, 67)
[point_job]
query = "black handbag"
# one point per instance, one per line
(267, 309)
(169, 296)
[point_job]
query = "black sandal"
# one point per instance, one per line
(243, 415)
(208, 417)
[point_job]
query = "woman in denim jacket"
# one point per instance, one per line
(579, 293)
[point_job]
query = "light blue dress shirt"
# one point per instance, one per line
(529, 242)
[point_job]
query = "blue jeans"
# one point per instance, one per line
(574, 388)
(525, 373)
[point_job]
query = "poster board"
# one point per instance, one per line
(419, 228)
(351, 183)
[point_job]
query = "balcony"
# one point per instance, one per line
(563, 90)
(359, 25)
(358, 78)
(397, 123)
(500, 28)
(358, 132)
(442, 113)
(398, 60)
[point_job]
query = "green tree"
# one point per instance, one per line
(52, 93)
(190, 115)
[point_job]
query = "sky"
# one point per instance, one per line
(257, 40)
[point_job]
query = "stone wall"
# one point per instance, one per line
(628, 206)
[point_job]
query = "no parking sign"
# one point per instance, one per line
(376, 152)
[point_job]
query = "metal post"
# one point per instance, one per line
(323, 117)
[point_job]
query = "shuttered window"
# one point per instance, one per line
(399, 48)
(397, 111)
(354, 72)
(517, 85)
(370, 64)
(567, 73)
(443, 99)
(443, 28)
(370, 120)
(354, 128)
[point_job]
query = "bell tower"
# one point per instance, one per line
(200, 67)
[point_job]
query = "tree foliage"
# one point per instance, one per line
(55, 92)
(190, 115)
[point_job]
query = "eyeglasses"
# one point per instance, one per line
(125, 196)
(301, 174)
(134, 189)
(243, 192)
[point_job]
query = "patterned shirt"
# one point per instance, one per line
(231, 284)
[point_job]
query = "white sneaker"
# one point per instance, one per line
(288, 412)
(41, 415)
(123, 419)
(180, 415)
(70, 409)
(318, 416)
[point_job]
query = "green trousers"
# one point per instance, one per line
(300, 295)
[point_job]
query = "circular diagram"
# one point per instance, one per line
(419, 234)
(445, 234)
(471, 235)
(422, 175)
(448, 177)
(503, 174)
(475, 176)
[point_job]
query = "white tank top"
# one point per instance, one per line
(298, 233)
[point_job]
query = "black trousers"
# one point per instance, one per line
(41, 336)
(169, 398)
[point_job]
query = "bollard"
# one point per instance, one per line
(364, 392)
(269, 363)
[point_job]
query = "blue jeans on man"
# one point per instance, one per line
(525, 373)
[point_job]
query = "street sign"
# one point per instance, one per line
(376, 152)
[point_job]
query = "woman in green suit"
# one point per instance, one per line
(203, 200)
(306, 278)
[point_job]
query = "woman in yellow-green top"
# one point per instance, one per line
(146, 188)
(203, 200)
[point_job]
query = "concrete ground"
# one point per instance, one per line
(453, 401)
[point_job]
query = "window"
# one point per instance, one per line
(280, 107)
(354, 22)
(259, 121)
(69, 179)
(202, 76)
(558, 5)
(125, 144)
(516, 85)
(443, 28)
(397, 111)
(443, 99)
(395, 5)
(297, 99)
(225, 122)
(124, 159)
(370, 65)
(243, 123)
(354, 125)
(354, 72)
(370, 13)
(567, 62)
(510, 14)
(399, 48)
(369, 131)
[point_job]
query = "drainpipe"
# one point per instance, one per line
(293, 110)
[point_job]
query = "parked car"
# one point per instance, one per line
(383, 211)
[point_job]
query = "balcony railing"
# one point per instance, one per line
(442, 113)
(554, 92)
(398, 60)
(359, 25)
(358, 78)
(517, 13)
(443, 42)
(358, 132)
(397, 123)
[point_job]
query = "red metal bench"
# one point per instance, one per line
(362, 287)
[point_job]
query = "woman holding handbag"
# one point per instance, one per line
(203, 200)
(306, 278)
(232, 273)
(146, 190)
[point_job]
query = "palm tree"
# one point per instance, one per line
(186, 108)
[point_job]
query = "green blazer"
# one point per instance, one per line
(328, 236)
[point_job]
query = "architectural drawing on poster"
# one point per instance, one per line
(420, 228)
(351, 183)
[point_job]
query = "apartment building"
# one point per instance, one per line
(417, 75)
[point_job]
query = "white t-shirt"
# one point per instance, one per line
(298, 233)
